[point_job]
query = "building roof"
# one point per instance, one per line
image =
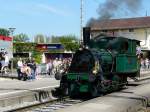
(125, 23)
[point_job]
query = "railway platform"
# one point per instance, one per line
(14, 93)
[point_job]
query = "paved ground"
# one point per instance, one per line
(132, 99)
(15, 93)
(11, 86)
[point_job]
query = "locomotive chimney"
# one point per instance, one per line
(86, 35)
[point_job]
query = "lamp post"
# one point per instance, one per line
(11, 31)
(81, 21)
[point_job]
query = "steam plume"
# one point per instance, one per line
(110, 8)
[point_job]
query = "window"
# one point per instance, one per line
(131, 30)
(104, 31)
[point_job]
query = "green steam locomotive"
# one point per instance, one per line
(101, 66)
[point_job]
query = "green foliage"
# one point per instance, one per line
(55, 39)
(39, 38)
(70, 42)
(28, 47)
(23, 47)
(21, 38)
(37, 56)
(4, 32)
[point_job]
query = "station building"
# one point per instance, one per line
(133, 28)
(49, 51)
(52, 51)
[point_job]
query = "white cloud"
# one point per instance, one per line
(53, 10)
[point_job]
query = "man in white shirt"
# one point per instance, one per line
(19, 66)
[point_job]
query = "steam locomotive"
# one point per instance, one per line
(102, 65)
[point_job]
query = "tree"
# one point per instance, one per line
(70, 42)
(39, 38)
(23, 47)
(48, 39)
(55, 39)
(4, 32)
(21, 38)
(37, 56)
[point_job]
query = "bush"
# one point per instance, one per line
(37, 56)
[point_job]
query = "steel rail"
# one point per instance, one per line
(36, 105)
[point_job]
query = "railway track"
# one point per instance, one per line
(56, 106)
(48, 106)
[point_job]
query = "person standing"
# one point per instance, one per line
(49, 67)
(147, 63)
(2, 61)
(33, 68)
(19, 66)
(6, 59)
(55, 64)
(142, 64)
(138, 53)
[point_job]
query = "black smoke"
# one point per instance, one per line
(111, 8)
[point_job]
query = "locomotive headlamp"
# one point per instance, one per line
(94, 71)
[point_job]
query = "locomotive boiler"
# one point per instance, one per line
(101, 66)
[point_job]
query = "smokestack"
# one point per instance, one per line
(86, 35)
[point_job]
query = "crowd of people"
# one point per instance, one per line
(145, 63)
(28, 70)
(143, 60)
(57, 65)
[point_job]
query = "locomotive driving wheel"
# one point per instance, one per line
(94, 91)
(116, 82)
(64, 89)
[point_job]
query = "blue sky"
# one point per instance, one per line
(51, 17)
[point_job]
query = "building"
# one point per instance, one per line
(45, 51)
(52, 51)
(133, 28)
(6, 45)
